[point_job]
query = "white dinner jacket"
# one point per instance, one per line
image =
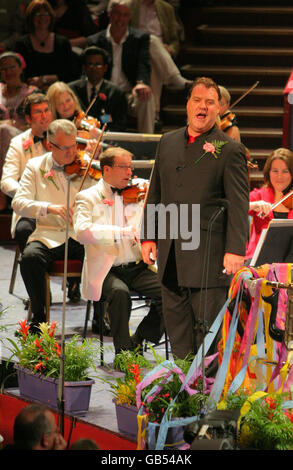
(36, 191)
(94, 228)
(20, 150)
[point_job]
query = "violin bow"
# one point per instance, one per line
(278, 202)
(93, 154)
(90, 105)
(282, 200)
(244, 94)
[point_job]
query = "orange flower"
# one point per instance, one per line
(135, 370)
(271, 402)
(51, 331)
(24, 328)
(39, 366)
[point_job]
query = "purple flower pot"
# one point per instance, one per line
(126, 419)
(45, 390)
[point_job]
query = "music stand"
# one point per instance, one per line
(275, 244)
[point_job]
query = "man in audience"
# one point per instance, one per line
(157, 18)
(129, 62)
(42, 195)
(29, 144)
(113, 265)
(110, 105)
(35, 428)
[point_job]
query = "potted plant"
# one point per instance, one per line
(267, 422)
(39, 367)
(131, 363)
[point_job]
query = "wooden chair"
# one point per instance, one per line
(74, 268)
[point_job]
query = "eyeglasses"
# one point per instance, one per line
(124, 167)
(42, 14)
(92, 66)
(63, 149)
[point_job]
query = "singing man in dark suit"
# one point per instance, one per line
(197, 165)
(110, 105)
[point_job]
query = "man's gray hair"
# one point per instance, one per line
(61, 125)
(114, 3)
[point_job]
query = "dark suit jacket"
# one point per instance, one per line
(115, 104)
(135, 55)
(177, 179)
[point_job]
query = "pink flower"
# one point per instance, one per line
(208, 147)
(27, 143)
(108, 202)
(49, 174)
(102, 96)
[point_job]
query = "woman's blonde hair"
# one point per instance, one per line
(53, 93)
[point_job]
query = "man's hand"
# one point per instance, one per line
(232, 263)
(142, 91)
(59, 442)
(149, 252)
(130, 233)
(60, 209)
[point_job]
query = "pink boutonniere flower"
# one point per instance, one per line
(48, 175)
(108, 202)
(27, 143)
(214, 147)
(102, 97)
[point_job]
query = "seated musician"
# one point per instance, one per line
(113, 265)
(228, 122)
(64, 104)
(42, 195)
(263, 206)
(23, 147)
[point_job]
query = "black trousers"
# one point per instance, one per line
(36, 260)
(24, 228)
(118, 284)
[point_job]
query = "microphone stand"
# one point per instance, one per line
(204, 285)
(61, 401)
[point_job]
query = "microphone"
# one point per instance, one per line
(217, 202)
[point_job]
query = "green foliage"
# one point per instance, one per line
(267, 425)
(42, 353)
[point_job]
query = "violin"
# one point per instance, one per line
(227, 120)
(85, 123)
(79, 166)
(134, 193)
(287, 201)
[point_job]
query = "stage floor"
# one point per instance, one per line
(101, 410)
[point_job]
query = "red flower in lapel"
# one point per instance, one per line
(102, 97)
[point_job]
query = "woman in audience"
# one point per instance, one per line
(48, 55)
(12, 93)
(263, 207)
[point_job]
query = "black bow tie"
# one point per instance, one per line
(57, 167)
(117, 190)
(39, 139)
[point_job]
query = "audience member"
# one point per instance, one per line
(110, 105)
(113, 265)
(129, 62)
(72, 19)
(85, 444)
(278, 179)
(157, 17)
(42, 195)
(35, 428)
(11, 23)
(12, 93)
(48, 55)
(25, 146)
